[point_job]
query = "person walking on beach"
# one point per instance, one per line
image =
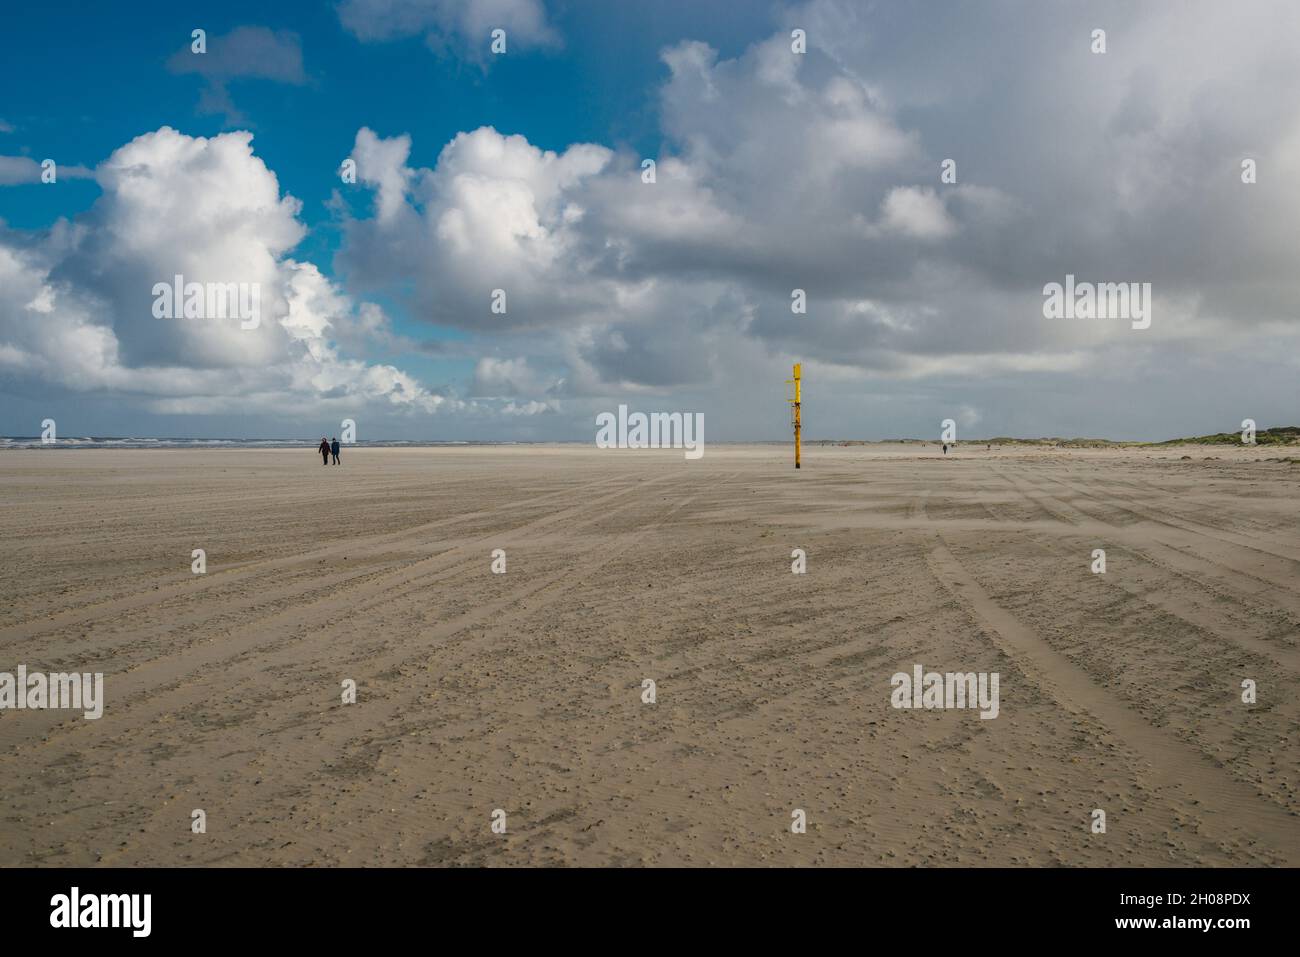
(334, 450)
(324, 451)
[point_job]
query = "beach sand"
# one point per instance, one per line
(522, 691)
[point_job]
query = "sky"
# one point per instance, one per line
(496, 262)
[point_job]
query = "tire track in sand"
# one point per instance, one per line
(1142, 547)
(171, 666)
(451, 644)
(239, 572)
(1230, 807)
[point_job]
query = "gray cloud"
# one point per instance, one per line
(17, 170)
(249, 52)
(822, 172)
(458, 25)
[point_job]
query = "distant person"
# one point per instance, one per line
(324, 451)
(334, 450)
(945, 448)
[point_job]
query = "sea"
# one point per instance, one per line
(138, 442)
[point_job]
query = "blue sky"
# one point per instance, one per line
(777, 170)
(113, 83)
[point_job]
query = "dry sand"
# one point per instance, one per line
(522, 691)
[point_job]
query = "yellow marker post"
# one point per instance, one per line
(795, 402)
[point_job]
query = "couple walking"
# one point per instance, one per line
(328, 448)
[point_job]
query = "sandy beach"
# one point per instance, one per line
(523, 691)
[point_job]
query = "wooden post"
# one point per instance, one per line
(798, 400)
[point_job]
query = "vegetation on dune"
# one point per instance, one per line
(1284, 435)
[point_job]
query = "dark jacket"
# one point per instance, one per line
(324, 447)
(334, 446)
